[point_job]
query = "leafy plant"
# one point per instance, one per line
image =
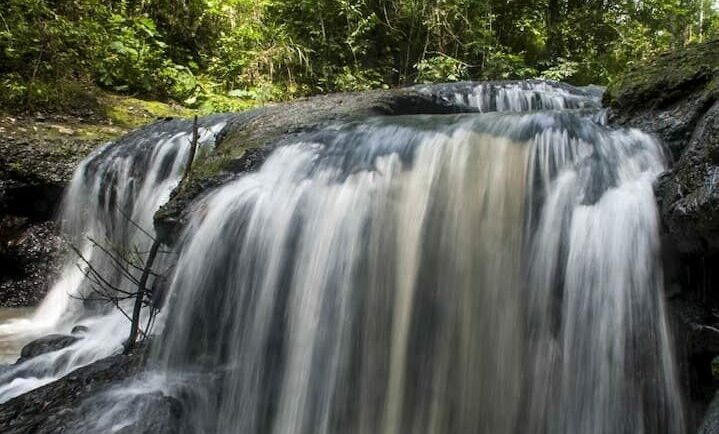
(440, 68)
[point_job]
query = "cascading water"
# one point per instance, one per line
(530, 95)
(109, 204)
(430, 274)
(481, 273)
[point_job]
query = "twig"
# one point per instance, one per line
(117, 262)
(193, 150)
(132, 222)
(135, 325)
(94, 272)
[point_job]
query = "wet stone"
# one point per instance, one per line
(45, 345)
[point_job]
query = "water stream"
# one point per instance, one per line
(493, 272)
(108, 207)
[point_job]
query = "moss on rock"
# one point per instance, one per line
(249, 137)
(668, 78)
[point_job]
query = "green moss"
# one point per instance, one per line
(712, 90)
(667, 77)
(16, 167)
(210, 166)
(129, 112)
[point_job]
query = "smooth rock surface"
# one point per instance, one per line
(53, 407)
(46, 344)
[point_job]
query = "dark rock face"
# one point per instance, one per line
(144, 413)
(711, 422)
(669, 95)
(44, 345)
(30, 258)
(54, 407)
(689, 194)
(676, 98)
(34, 169)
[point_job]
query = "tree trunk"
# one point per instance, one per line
(141, 289)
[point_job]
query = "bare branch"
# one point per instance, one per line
(132, 222)
(119, 265)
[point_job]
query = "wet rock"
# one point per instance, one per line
(676, 97)
(689, 193)
(145, 413)
(46, 344)
(78, 330)
(33, 172)
(30, 259)
(710, 424)
(158, 414)
(247, 140)
(53, 408)
(668, 95)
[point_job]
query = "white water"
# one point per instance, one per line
(491, 273)
(439, 274)
(118, 184)
(522, 96)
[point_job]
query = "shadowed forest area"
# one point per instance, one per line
(219, 55)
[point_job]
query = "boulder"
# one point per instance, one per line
(149, 412)
(53, 408)
(44, 345)
(78, 330)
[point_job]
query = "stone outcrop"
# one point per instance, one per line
(46, 344)
(79, 401)
(676, 98)
(51, 408)
(36, 163)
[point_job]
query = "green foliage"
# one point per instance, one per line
(221, 55)
(440, 68)
(47, 94)
(503, 65)
(561, 71)
(135, 60)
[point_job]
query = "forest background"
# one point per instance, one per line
(221, 55)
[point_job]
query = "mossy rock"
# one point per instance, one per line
(668, 78)
(250, 136)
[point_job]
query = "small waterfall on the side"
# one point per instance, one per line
(106, 212)
(483, 273)
(523, 96)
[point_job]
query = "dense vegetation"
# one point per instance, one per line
(225, 54)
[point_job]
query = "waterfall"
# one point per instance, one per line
(488, 272)
(430, 274)
(106, 212)
(523, 96)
